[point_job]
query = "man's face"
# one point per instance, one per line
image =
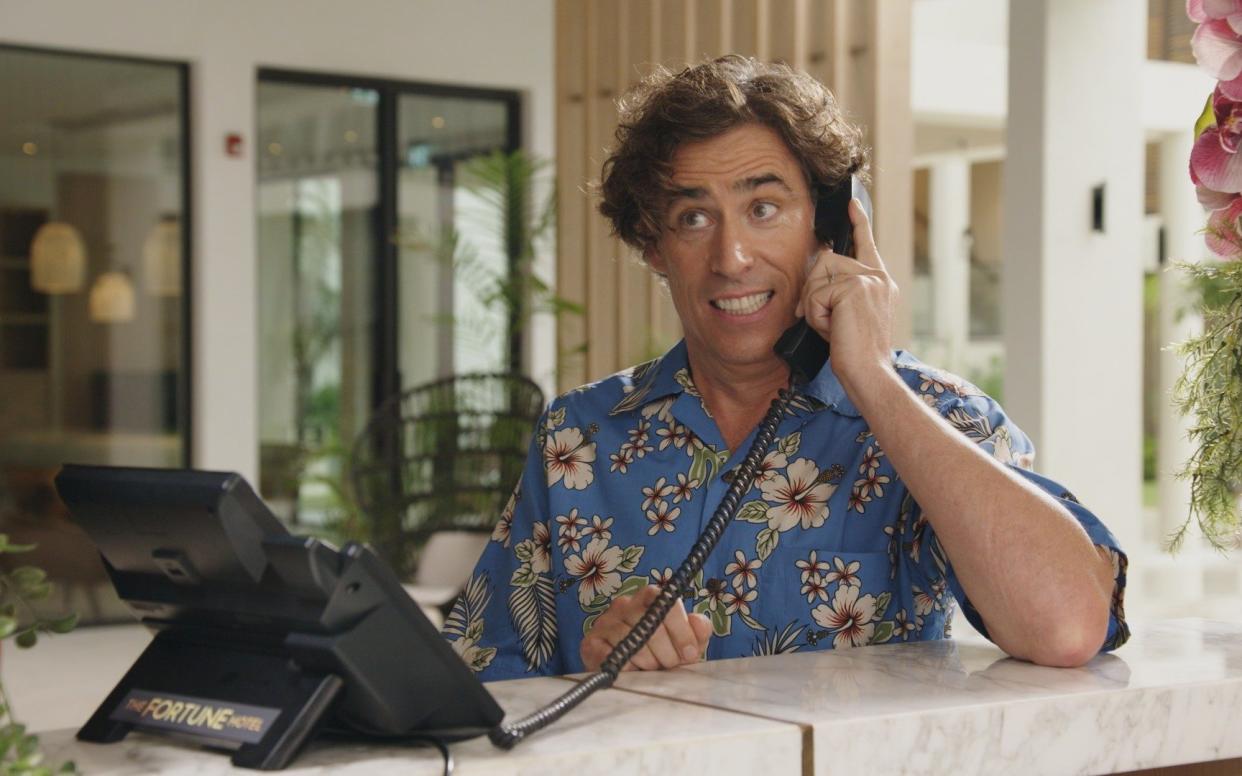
(735, 245)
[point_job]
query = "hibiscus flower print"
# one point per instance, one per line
(541, 558)
(799, 499)
(846, 574)
(743, 570)
(852, 618)
(662, 517)
(596, 570)
(773, 462)
(501, 533)
(923, 603)
(568, 458)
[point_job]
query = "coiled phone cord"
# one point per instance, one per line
(507, 736)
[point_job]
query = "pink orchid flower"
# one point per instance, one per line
(1224, 231)
(1215, 163)
(1218, 50)
(1201, 10)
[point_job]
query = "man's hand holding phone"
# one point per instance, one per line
(681, 639)
(849, 302)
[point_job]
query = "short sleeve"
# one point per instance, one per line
(504, 623)
(982, 420)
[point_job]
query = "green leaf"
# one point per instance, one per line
(631, 585)
(7, 626)
(751, 622)
(881, 603)
(790, 444)
(765, 542)
(1206, 119)
(883, 632)
(523, 576)
(556, 417)
(25, 576)
(525, 550)
(722, 624)
(700, 607)
(482, 658)
(629, 559)
(474, 631)
(753, 512)
(589, 622)
(38, 592)
(27, 638)
(64, 624)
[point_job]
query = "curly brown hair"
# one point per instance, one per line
(667, 109)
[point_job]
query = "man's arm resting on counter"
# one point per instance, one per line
(1028, 567)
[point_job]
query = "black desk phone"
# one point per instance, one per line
(801, 345)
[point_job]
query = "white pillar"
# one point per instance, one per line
(948, 223)
(1183, 217)
(1072, 296)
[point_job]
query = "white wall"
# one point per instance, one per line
(465, 42)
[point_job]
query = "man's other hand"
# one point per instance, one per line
(679, 640)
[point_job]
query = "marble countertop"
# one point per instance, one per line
(612, 732)
(1172, 695)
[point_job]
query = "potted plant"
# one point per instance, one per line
(20, 588)
(1210, 390)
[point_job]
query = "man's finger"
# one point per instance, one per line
(864, 240)
(681, 634)
(702, 627)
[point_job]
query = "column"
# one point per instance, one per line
(948, 223)
(1072, 293)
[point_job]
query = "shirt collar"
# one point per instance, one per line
(668, 375)
(828, 389)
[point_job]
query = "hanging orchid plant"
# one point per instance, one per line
(1210, 389)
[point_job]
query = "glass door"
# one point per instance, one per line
(361, 182)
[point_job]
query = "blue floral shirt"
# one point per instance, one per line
(828, 549)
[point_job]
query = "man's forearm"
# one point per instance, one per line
(1027, 565)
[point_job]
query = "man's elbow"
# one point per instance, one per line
(1071, 644)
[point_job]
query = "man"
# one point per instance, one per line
(892, 491)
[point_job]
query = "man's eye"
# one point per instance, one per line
(692, 219)
(763, 210)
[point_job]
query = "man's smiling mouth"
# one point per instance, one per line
(743, 305)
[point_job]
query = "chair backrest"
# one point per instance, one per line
(442, 456)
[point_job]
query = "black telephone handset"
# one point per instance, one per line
(800, 345)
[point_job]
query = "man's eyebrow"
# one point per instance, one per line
(754, 182)
(745, 184)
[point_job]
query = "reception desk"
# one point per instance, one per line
(1172, 696)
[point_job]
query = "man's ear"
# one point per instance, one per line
(655, 261)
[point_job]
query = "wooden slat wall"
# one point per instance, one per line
(860, 49)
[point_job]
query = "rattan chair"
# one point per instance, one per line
(443, 456)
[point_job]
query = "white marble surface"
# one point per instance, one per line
(1172, 695)
(613, 732)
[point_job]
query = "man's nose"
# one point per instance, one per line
(733, 254)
